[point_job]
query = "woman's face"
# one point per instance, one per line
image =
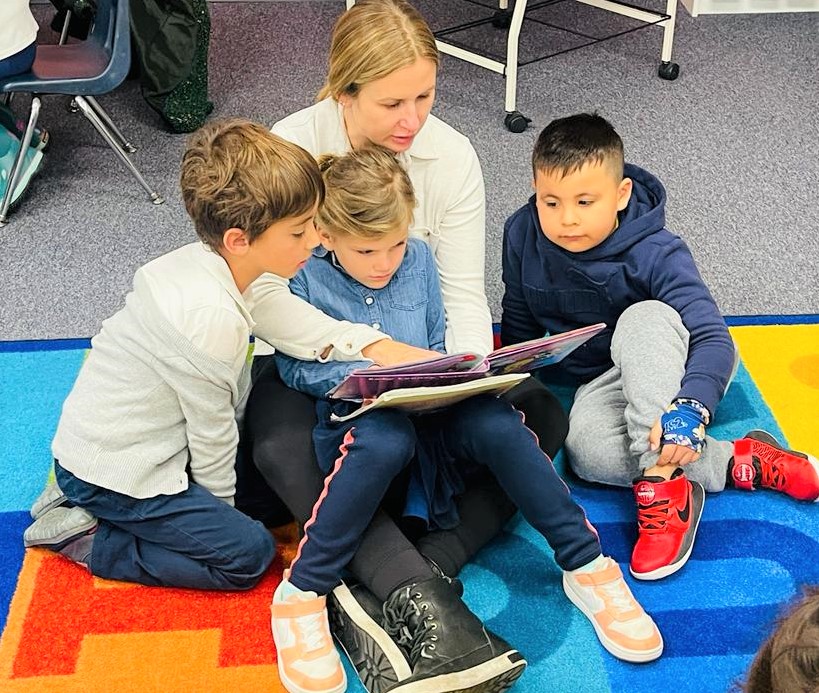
(392, 110)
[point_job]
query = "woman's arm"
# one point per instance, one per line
(459, 256)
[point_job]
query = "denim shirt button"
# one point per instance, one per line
(377, 325)
(369, 300)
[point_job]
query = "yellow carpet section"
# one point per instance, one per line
(783, 361)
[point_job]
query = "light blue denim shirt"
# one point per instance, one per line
(409, 309)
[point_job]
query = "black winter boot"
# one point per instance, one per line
(447, 646)
(355, 620)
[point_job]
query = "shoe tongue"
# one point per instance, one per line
(652, 479)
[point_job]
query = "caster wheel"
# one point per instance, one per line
(668, 70)
(502, 19)
(516, 121)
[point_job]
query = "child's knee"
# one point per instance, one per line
(389, 438)
(646, 316)
(255, 552)
(648, 323)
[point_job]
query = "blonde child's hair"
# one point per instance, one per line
(373, 39)
(367, 193)
(237, 174)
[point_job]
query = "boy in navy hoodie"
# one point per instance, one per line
(591, 246)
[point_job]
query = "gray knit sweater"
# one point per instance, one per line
(148, 404)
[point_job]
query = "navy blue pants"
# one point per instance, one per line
(189, 539)
(376, 447)
(19, 62)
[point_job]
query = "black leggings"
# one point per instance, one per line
(279, 456)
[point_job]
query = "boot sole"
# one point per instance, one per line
(672, 568)
(494, 676)
(379, 662)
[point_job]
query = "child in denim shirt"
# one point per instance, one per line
(369, 271)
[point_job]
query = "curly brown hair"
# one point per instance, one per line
(237, 174)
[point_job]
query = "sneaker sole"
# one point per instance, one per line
(292, 687)
(494, 676)
(636, 656)
(672, 568)
(379, 662)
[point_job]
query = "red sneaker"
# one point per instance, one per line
(761, 462)
(668, 514)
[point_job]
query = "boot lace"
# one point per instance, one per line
(410, 626)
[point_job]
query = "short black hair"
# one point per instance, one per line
(567, 144)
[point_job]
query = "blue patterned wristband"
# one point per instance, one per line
(684, 423)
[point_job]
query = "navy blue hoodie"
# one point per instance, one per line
(552, 290)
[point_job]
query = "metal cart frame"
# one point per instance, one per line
(513, 20)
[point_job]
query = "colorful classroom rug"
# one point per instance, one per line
(66, 631)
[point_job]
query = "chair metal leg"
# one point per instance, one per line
(105, 118)
(16, 170)
(100, 126)
(64, 32)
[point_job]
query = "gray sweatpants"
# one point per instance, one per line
(612, 415)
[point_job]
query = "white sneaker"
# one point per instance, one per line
(622, 626)
(50, 498)
(58, 527)
(308, 661)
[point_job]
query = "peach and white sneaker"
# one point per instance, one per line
(621, 624)
(308, 660)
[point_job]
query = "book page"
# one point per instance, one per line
(424, 399)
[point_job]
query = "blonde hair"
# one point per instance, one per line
(373, 39)
(237, 174)
(368, 193)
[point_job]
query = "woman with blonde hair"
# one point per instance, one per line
(380, 90)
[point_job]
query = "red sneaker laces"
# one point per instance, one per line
(773, 476)
(653, 518)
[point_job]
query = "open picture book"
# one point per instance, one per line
(443, 380)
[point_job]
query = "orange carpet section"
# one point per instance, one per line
(114, 637)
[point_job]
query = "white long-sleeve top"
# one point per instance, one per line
(450, 217)
(165, 384)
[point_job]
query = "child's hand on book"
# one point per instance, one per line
(388, 352)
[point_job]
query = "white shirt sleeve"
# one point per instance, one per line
(220, 333)
(291, 325)
(460, 256)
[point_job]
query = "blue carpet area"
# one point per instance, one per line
(753, 553)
